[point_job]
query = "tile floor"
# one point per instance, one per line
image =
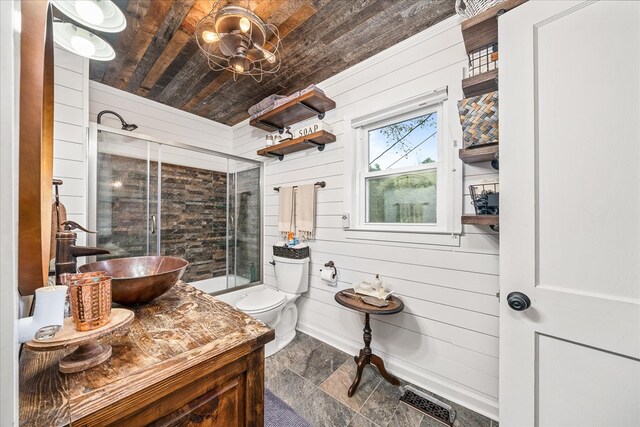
(313, 378)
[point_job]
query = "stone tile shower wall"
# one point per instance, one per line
(194, 213)
(194, 219)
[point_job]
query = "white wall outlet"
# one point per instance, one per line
(346, 223)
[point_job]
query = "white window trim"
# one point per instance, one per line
(448, 229)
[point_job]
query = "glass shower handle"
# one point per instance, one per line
(153, 224)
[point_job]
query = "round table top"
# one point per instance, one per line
(68, 336)
(395, 304)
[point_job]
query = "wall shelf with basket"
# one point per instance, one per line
(480, 154)
(479, 109)
(485, 199)
(481, 219)
(305, 106)
(481, 83)
(480, 35)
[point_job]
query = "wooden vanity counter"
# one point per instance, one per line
(187, 359)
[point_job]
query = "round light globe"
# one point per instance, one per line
(90, 11)
(83, 46)
(245, 24)
(210, 36)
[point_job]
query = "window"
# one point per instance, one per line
(402, 171)
(405, 174)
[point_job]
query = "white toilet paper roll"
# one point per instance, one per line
(327, 274)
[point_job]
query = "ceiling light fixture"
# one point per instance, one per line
(82, 42)
(100, 15)
(235, 39)
(89, 11)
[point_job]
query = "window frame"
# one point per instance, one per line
(447, 229)
(364, 173)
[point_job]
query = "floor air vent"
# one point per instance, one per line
(429, 405)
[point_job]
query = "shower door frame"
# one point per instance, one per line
(92, 171)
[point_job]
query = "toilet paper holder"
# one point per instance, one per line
(331, 264)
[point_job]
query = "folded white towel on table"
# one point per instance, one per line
(285, 211)
(306, 211)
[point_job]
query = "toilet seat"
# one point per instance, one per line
(261, 301)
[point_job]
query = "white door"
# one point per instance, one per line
(570, 213)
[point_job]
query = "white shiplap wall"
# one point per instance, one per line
(446, 339)
(71, 114)
(158, 120)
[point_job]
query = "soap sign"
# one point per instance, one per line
(308, 130)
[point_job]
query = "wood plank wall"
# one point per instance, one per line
(447, 338)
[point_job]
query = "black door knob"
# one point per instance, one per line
(518, 301)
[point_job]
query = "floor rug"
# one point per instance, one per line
(279, 414)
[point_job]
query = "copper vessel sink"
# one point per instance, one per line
(138, 280)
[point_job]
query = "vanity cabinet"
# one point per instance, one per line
(187, 359)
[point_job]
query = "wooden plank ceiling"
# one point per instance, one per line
(157, 56)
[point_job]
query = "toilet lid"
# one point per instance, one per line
(263, 300)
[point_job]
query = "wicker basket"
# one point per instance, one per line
(479, 120)
(470, 8)
(90, 300)
(293, 253)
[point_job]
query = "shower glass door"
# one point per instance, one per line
(244, 251)
(193, 214)
(126, 211)
(154, 198)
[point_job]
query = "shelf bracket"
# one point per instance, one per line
(310, 108)
(269, 125)
(317, 144)
(279, 156)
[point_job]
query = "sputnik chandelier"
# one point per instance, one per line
(235, 39)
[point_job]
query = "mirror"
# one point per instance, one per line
(36, 145)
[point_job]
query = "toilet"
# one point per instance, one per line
(277, 308)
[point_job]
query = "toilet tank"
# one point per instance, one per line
(292, 275)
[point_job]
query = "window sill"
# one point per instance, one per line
(421, 238)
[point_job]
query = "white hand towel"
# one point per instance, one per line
(306, 211)
(285, 211)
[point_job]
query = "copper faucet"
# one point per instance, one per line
(67, 251)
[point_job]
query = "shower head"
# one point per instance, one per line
(125, 126)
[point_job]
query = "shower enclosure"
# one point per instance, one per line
(149, 197)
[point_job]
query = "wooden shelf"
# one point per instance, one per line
(478, 154)
(314, 140)
(481, 219)
(480, 84)
(312, 103)
(482, 29)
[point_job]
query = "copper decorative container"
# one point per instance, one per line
(90, 295)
